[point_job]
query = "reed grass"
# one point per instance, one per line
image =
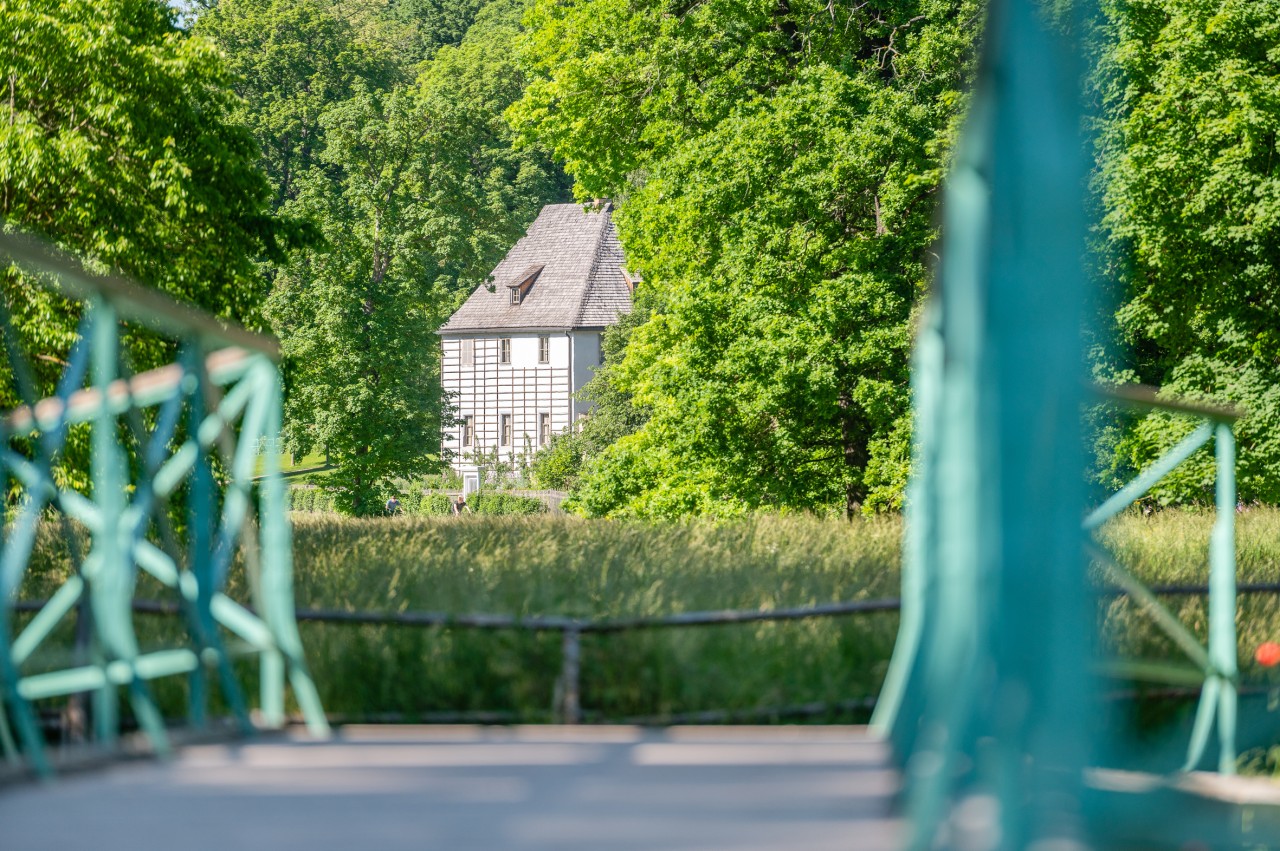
(1172, 548)
(553, 565)
(531, 566)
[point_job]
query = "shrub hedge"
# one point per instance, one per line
(426, 503)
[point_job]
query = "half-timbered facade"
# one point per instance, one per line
(519, 348)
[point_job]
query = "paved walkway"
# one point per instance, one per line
(498, 789)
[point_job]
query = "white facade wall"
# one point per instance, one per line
(524, 389)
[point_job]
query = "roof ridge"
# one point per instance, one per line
(606, 218)
(579, 249)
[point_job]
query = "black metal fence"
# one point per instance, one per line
(568, 706)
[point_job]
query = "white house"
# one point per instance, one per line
(520, 346)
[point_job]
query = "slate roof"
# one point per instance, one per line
(581, 284)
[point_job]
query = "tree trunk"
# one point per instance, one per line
(853, 444)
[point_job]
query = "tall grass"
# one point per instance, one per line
(550, 565)
(1172, 548)
(604, 569)
(590, 569)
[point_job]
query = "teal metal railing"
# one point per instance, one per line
(1216, 665)
(180, 441)
(990, 697)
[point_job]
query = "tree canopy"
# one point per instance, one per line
(778, 166)
(1189, 179)
(346, 172)
(118, 142)
(291, 59)
(410, 175)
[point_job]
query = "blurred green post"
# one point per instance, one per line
(987, 698)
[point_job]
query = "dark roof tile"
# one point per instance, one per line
(580, 284)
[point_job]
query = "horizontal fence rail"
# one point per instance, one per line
(707, 618)
(572, 629)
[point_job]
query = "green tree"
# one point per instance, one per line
(292, 59)
(778, 166)
(1189, 176)
(417, 191)
(435, 23)
(356, 315)
(117, 142)
(467, 89)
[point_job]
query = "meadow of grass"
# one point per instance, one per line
(1172, 548)
(554, 565)
(544, 565)
(289, 463)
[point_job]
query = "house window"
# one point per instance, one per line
(504, 350)
(515, 295)
(544, 429)
(468, 352)
(544, 350)
(505, 437)
(466, 431)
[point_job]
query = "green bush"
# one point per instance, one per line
(558, 464)
(311, 499)
(433, 505)
(497, 504)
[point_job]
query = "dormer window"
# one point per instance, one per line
(522, 284)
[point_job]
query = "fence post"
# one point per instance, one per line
(571, 651)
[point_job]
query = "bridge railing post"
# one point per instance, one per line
(196, 424)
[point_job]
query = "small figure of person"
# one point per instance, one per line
(459, 505)
(393, 507)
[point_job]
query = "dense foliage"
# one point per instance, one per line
(1189, 172)
(779, 167)
(410, 176)
(345, 172)
(117, 141)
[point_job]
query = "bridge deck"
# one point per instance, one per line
(568, 789)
